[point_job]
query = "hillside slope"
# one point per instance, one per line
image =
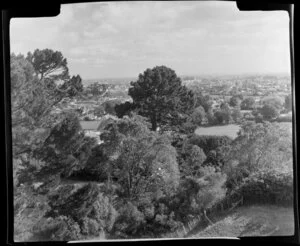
(252, 221)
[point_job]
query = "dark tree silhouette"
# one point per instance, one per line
(159, 95)
(248, 103)
(49, 64)
(124, 109)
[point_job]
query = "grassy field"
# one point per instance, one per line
(252, 221)
(89, 125)
(230, 130)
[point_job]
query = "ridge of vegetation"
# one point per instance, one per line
(145, 173)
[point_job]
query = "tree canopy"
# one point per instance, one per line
(269, 111)
(198, 116)
(142, 161)
(159, 95)
(33, 103)
(248, 103)
(263, 145)
(235, 100)
(202, 100)
(49, 64)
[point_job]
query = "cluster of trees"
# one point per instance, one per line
(150, 175)
(95, 89)
(46, 145)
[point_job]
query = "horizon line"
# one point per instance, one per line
(203, 75)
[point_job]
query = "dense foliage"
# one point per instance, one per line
(267, 187)
(159, 95)
(151, 173)
(208, 143)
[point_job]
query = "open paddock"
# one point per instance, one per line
(230, 130)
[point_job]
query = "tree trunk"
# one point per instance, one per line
(154, 122)
(204, 213)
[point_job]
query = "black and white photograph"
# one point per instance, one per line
(139, 120)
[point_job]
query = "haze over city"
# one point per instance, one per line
(122, 39)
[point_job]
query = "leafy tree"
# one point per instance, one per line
(268, 186)
(129, 221)
(211, 119)
(217, 157)
(124, 109)
(195, 157)
(38, 131)
(32, 117)
(235, 101)
(208, 143)
(288, 102)
(236, 114)
(30, 100)
(273, 101)
(65, 150)
(198, 116)
(259, 146)
(29, 208)
(87, 206)
(269, 112)
(159, 95)
(61, 228)
(33, 99)
(224, 114)
(52, 70)
(248, 103)
(201, 100)
(196, 194)
(72, 87)
(49, 64)
(97, 89)
(109, 106)
(96, 167)
(142, 161)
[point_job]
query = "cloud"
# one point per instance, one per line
(122, 37)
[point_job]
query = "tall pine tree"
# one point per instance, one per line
(159, 95)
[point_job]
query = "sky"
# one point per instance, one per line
(123, 39)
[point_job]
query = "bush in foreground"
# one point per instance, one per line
(268, 187)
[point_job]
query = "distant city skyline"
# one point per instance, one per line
(280, 74)
(122, 39)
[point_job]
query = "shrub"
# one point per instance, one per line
(61, 228)
(103, 213)
(129, 221)
(208, 143)
(248, 103)
(269, 112)
(87, 206)
(29, 208)
(198, 116)
(198, 193)
(268, 187)
(193, 158)
(90, 227)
